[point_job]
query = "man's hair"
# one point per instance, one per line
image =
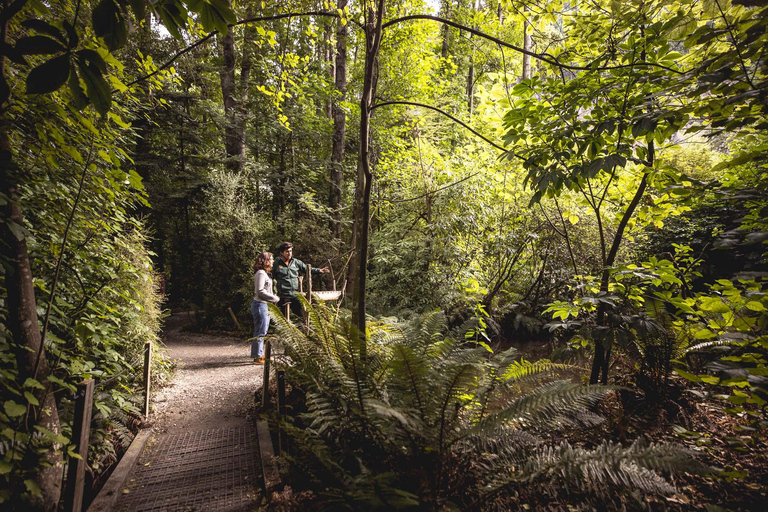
(284, 247)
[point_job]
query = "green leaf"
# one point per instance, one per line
(48, 76)
(5, 467)
(13, 53)
(13, 409)
(38, 45)
(688, 376)
(109, 24)
(45, 28)
(33, 488)
(96, 87)
(212, 17)
(173, 16)
(93, 57)
(79, 99)
(755, 306)
(31, 398)
(138, 8)
(32, 383)
(704, 334)
(72, 34)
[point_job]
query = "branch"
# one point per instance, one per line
(61, 258)
(440, 189)
(550, 60)
(241, 22)
(449, 116)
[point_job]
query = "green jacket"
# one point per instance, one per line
(287, 276)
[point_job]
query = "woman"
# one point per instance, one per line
(262, 295)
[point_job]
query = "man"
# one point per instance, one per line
(286, 273)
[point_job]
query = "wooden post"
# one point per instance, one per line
(265, 378)
(81, 431)
(234, 318)
(147, 375)
(287, 313)
(281, 411)
(309, 294)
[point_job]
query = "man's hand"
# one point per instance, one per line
(324, 270)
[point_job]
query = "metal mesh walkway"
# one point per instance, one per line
(194, 471)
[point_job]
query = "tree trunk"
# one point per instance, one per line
(445, 30)
(330, 65)
(339, 128)
(360, 229)
(234, 130)
(526, 46)
(471, 72)
(602, 357)
(24, 327)
(22, 317)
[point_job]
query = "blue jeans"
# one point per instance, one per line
(260, 326)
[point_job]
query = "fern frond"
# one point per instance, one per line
(554, 404)
(500, 449)
(518, 370)
(430, 326)
(609, 463)
(714, 343)
(409, 369)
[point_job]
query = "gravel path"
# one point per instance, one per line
(214, 383)
(203, 454)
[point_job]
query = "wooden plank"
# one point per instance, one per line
(265, 378)
(327, 295)
(269, 470)
(81, 431)
(106, 499)
(147, 375)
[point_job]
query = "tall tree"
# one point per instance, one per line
(234, 129)
(339, 125)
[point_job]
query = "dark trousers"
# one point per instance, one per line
(294, 304)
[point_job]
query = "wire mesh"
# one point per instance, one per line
(194, 471)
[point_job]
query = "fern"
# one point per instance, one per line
(419, 415)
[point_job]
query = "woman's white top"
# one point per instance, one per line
(263, 287)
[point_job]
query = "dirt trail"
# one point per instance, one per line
(203, 451)
(214, 383)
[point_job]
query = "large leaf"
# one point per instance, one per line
(12, 53)
(138, 8)
(79, 98)
(109, 24)
(38, 45)
(48, 76)
(93, 57)
(96, 86)
(173, 16)
(74, 39)
(216, 14)
(45, 28)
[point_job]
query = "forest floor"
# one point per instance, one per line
(686, 416)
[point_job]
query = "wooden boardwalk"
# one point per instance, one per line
(194, 471)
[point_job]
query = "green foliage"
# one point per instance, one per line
(423, 418)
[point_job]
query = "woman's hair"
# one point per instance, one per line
(261, 261)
